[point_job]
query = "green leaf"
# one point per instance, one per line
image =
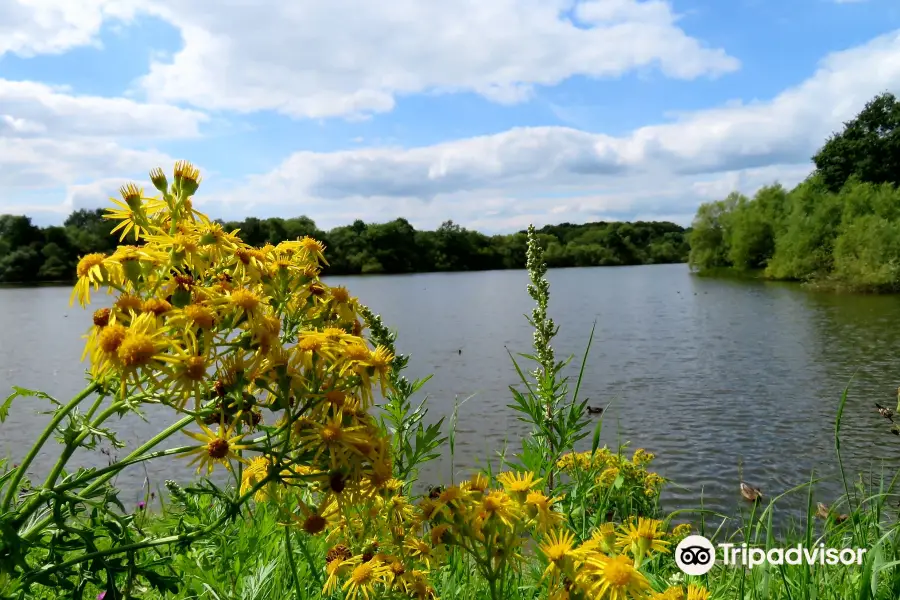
(595, 441)
(24, 392)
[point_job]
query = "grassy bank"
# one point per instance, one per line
(270, 374)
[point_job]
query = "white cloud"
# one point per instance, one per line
(32, 107)
(50, 137)
(27, 163)
(700, 155)
(30, 27)
(321, 58)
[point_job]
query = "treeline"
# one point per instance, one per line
(840, 228)
(32, 254)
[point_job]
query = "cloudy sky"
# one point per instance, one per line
(493, 113)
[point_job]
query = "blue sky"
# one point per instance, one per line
(493, 113)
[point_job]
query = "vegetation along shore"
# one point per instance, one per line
(31, 254)
(838, 229)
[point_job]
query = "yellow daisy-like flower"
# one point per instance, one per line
(498, 505)
(220, 447)
(419, 549)
(339, 563)
(476, 485)
(91, 271)
(673, 593)
(245, 302)
(616, 578)
(642, 538)
(540, 508)
(133, 212)
(140, 347)
(255, 472)
(518, 484)
(195, 315)
(558, 547)
(603, 539)
(187, 373)
(364, 577)
(696, 592)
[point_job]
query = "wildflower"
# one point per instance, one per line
(141, 505)
(363, 578)
(255, 472)
(642, 457)
(557, 547)
(642, 538)
(144, 345)
(335, 438)
(449, 500)
(603, 539)
(101, 317)
(187, 178)
(340, 295)
(681, 531)
(440, 534)
(245, 302)
(420, 550)
(220, 447)
(338, 566)
(500, 506)
(312, 249)
(518, 484)
(315, 521)
(477, 484)
(672, 593)
(608, 476)
(127, 304)
(131, 213)
(540, 508)
(617, 579)
(91, 271)
(156, 306)
(695, 592)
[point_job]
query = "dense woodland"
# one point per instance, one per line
(33, 254)
(840, 228)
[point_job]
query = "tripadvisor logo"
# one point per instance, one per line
(696, 555)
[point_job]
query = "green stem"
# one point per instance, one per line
(72, 446)
(51, 427)
(135, 546)
(155, 440)
(124, 463)
(312, 564)
(290, 556)
(67, 453)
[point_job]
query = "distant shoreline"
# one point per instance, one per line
(65, 283)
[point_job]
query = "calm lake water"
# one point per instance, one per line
(708, 374)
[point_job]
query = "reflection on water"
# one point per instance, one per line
(709, 374)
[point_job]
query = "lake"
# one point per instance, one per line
(708, 374)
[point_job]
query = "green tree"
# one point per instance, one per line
(868, 146)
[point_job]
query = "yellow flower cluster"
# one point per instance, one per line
(217, 329)
(608, 467)
(608, 564)
(693, 592)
